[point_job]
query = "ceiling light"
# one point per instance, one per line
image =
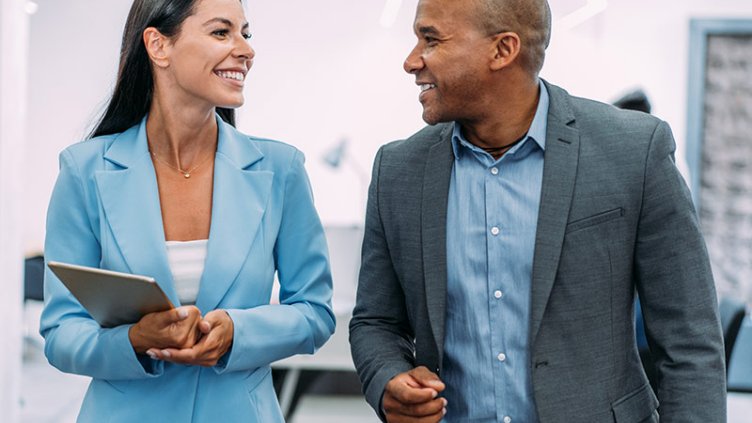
(390, 12)
(31, 7)
(592, 8)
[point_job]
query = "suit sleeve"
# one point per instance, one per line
(677, 294)
(74, 342)
(380, 333)
(304, 319)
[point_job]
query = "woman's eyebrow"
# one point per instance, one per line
(224, 21)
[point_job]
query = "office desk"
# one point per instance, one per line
(333, 356)
(344, 247)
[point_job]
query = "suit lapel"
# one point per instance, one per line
(436, 178)
(239, 200)
(559, 173)
(130, 199)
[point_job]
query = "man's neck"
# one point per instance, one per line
(507, 120)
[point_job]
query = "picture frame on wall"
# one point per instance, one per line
(719, 146)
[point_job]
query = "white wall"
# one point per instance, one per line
(326, 70)
(13, 46)
(636, 43)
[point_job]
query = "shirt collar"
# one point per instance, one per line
(537, 130)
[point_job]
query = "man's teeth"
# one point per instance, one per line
(426, 87)
(238, 76)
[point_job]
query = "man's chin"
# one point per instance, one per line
(432, 118)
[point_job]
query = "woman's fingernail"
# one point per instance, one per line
(183, 313)
(152, 355)
(165, 353)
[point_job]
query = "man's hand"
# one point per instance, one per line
(412, 397)
(217, 333)
(176, 328)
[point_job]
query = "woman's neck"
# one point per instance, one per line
(181, 135)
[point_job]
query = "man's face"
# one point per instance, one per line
(450, 60)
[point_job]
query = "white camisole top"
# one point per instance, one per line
(186, 259)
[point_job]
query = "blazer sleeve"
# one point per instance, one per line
(380, 333)
(677, 293)
(304, 319)
(74, 342)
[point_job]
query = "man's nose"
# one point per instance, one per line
(413, 63)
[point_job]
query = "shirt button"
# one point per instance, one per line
(501, 357)
(507, 419)
(498, 294)
(494, 171)
(494, 231)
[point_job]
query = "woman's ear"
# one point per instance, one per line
(506, 49)
(157, 47)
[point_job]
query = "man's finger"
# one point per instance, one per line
(424, 409)
(427, 378)
(407, 390)
(399, 418)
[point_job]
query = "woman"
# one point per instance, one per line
(167, 187)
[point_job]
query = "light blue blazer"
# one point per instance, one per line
(105, 212)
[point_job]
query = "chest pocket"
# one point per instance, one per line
(595, 219)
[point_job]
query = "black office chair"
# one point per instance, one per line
(740, 365)
(34, 278)
(732, 313)
(33, 292)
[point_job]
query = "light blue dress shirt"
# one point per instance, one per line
(491, 223)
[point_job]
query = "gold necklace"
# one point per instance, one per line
(186, 173)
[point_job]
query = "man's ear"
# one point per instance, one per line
(506, 49)
(157, 47)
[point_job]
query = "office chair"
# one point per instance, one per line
(732, 313)
(33, 293)
(34, 278)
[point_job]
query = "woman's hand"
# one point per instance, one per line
(217, 332)
(176, 328)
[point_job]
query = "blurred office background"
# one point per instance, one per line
(328, 79)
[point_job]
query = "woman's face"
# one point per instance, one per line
(210, 57)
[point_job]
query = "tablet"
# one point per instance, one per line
(112, 298)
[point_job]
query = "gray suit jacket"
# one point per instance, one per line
(615, 216)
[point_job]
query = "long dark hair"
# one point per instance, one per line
(134, 88)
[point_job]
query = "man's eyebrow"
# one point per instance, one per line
(427, 30)
(224, 21)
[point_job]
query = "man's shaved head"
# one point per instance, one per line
(530, 19)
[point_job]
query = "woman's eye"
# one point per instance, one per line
(247, 36)
(220, 33)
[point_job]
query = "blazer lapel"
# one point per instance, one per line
(559, 173)
(130, 199)
(436, 178)
(239, 200)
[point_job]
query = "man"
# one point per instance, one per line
(504, 244)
